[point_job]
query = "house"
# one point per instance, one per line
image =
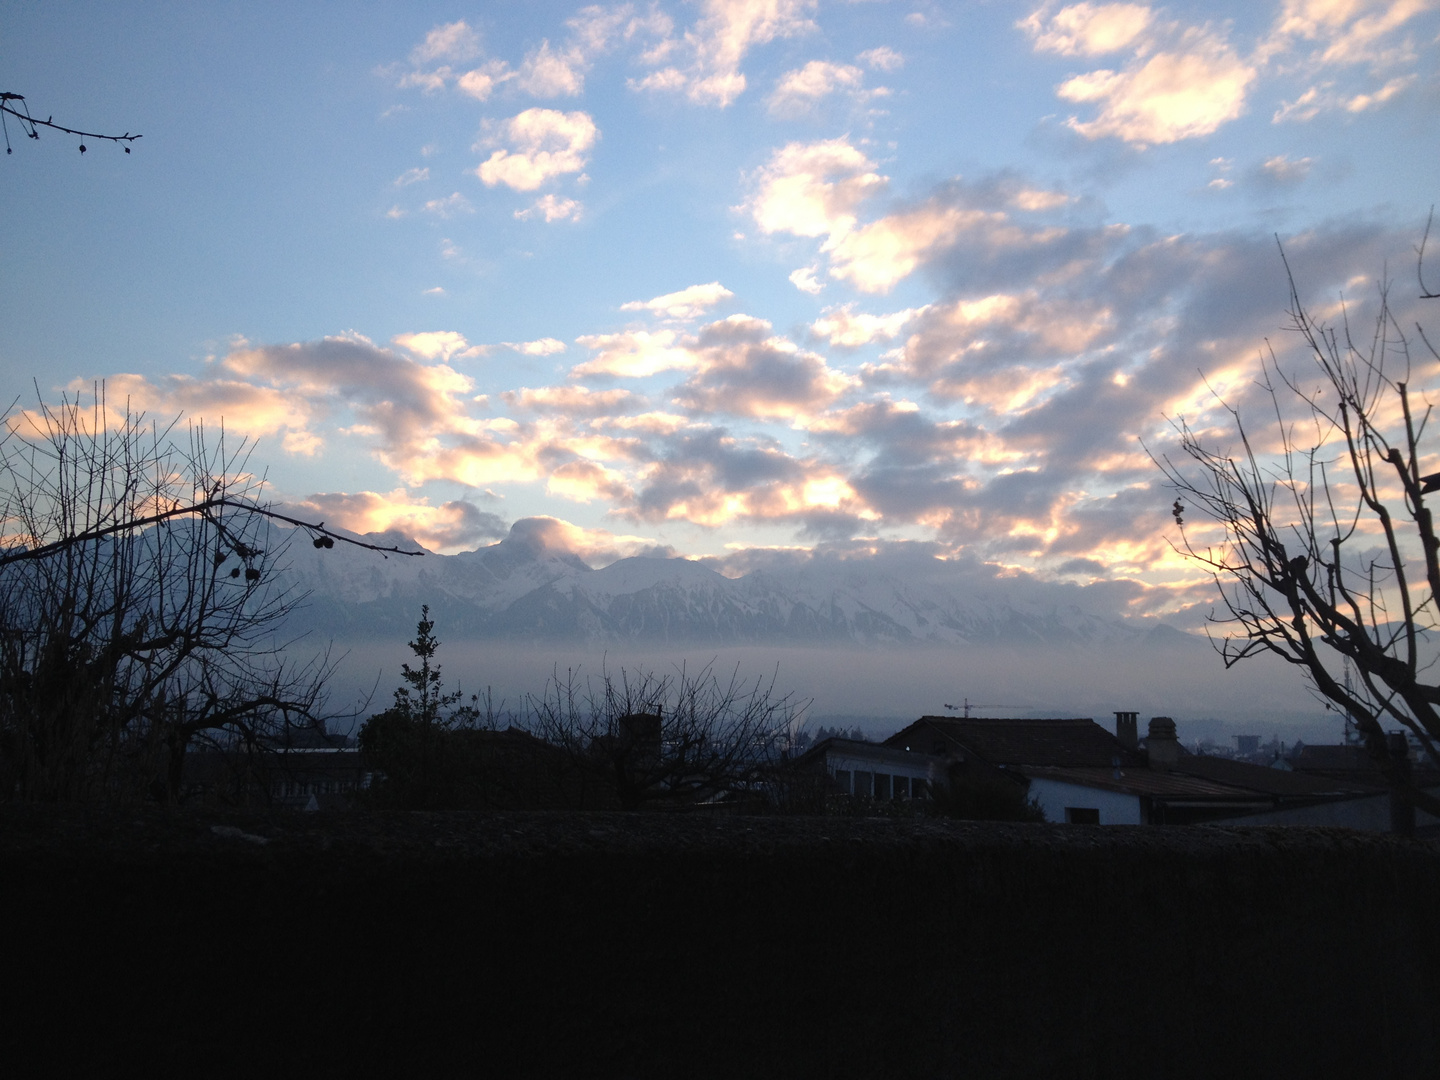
(1369, 805)
(1079, 772)
(873, 770)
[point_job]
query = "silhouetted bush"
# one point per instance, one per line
(972, 795)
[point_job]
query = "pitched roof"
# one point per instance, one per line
(1148, 782)
(855, 748)
(1277, 782)
(1058, 742)
(1354, 765)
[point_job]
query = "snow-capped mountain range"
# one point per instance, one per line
(525, 588)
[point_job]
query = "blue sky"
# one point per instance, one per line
(726, 278)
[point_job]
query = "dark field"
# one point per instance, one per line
(694, 946)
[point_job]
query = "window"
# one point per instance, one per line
(902, 787)
(864, 784)
(842, 777)
(882, 785)
(1082, 815)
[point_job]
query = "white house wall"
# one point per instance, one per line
(839, 761)
(1055, 795)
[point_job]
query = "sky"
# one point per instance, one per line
(744, 279)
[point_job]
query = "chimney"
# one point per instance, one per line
(1402, 812)
(1162, 744)
(1127, 729)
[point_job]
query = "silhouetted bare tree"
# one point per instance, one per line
(139, 602)
(1318, 534)
(669, 739)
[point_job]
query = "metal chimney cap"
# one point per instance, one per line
(1162, 727)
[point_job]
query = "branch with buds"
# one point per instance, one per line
(31, 126)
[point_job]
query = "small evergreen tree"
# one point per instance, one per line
(411, 744)
(423, 698)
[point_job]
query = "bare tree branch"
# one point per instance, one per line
(1327, 553)
(31, 126)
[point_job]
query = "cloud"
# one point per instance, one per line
(437, 345)
(1345, 31)
(804, 279)
(717, 45)
(479, 83)
(1167, 96)
(1286, 170)
(234, 405)
(876, 256)
(1087, 29)
(544, 143)
(745, 370)
(882, 58)
(817, 189)
(1327, 98)
(844, 328)
(633, 354)
(448, 207)
(449, 41)
(798, 92)
(411, 176)
(1397, 85)
(541, 347)
(452, 526)
(688, 303)
(813, 189)
(712, 478)
(570, 400)
(1035, 200)
(552, 208)
(549, 73)
(597, 547)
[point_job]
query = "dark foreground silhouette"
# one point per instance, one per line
(686, 945)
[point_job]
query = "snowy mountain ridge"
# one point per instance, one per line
(523, 589)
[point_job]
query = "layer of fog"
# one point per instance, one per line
(882, 690)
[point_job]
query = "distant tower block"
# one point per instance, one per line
(1127, 728)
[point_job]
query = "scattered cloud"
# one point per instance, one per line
(1179, 81)
(707, 57)
(412, 176)
(805, 280)
(543, 143)
(813, 189)
(686, 304)
(798, 92)
(437, 345)
(744, 369)
(448, 207)
(548, 73)
(479, 83)
(541, 347)
(552, 208)
(817, 190)
(452, 526)
(633, 354)
(845, 328)
(1087, 29)
(1286, 170)
(1166, 96)
(449, 41)
(882, 58)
